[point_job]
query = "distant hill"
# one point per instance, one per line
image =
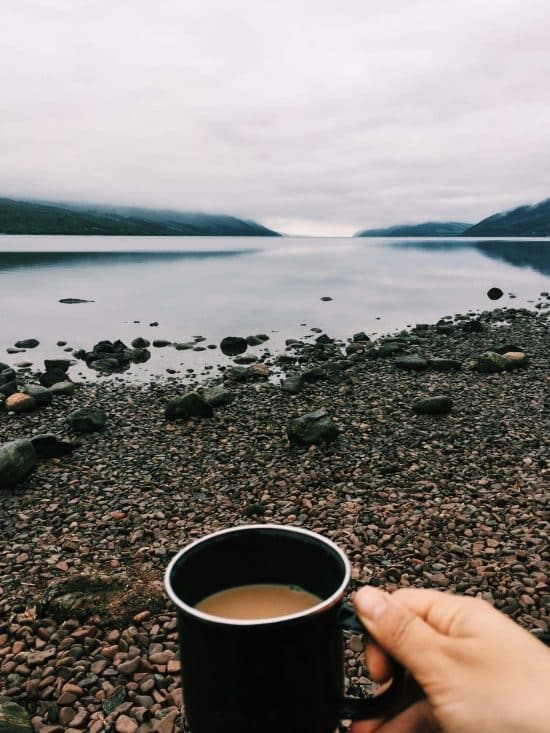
(25, 217)
(525, 221)
(428, 229)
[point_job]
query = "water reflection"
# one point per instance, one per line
(517, 253)
(24, 260)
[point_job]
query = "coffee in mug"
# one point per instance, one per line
(258, 601)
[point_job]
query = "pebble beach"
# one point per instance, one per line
(455, 501)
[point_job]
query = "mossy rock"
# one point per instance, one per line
(13, 718)
(490, 362)
(112, 599)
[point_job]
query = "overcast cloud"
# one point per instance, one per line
(317, 117)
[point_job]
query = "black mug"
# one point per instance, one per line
(270, 675)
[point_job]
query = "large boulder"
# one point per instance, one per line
(50, 446)
(87, 420)
(20, 402)
(13, 717)
(233, 345)
(313, 428)
(436, 405)
(218, 395)
(17, 459)
(192, 404)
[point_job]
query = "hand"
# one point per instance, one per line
(480, 671)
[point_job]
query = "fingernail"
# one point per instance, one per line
(370, 602)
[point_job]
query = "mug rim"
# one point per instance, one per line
(324, 605)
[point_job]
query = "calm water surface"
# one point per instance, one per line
(222, 286)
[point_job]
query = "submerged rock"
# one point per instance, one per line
(17, 459)
(313, 428)
(233, 345)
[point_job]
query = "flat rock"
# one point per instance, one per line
(161, 343)
(17, 459)
(27, 344)
(61, 365)
(72, 301)
(63, 388)
(115, 599)
(411, 363)
(293, 384)
(245, 359)
(444, 365)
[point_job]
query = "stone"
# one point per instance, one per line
(444, 365)
(7, 375)
(17, 459)
(260, 371)
(445, 328)
(161, 343)
(233, 345)
(140, 343)
(360, 337)
(13, 717)
(411, 363)
(312, 428)
(314, 374)
(63, 388)
(293, 384)
(472, 326)
(183, 345)
(326, 298)
(262, 336)
(8, 388)
(490, 362)
(388, 349)
(52, 376)
(192, 404)
(14, 350)
(87, 420)
(253, 340)
(139, 356)
(324, 339)
(237, 374)
(516, 359)
(218, 395)
(48, 445)
(21, 402)
(62, 365)
(42, 395)
(494, 293)
(436, 405)
(115, 599)
(71, 301)
(27, 344)
(245, 359)
(125, 724)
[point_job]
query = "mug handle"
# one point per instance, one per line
(402, 692)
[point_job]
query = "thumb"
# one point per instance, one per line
(401, 632)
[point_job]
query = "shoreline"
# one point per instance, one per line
(455, 502)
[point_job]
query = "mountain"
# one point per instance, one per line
(525, 221)
(428, 229)
(26, 217)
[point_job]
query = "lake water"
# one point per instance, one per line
(220, 286)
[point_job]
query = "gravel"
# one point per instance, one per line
(457, 502)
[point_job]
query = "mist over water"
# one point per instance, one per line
(215, 287)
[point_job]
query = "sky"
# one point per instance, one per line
(310, 116)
